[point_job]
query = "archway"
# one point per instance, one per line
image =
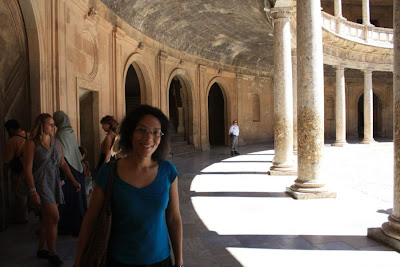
(216, 116)
(377, 116)
(132, 90)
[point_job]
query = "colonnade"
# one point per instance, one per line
(310, 104)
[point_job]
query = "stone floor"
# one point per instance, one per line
(234, 214)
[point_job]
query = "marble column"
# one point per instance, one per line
(283, 93)
(368, 108)
(338, 8)
(390, 232)
(340, 108)
(310, 103)
(365, 12)
(294, 82)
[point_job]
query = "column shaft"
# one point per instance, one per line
(368, 108)
(340, 108)
(365, 12)
(392, 228)
(283, 92)
(294, 82)
(338, 8)
(310, 102)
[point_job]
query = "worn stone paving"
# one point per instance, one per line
(234, 214)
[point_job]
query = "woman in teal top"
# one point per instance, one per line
(145, 202)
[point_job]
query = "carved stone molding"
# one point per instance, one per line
(90, 50)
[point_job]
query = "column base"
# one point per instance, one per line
(309, 193)
(378, 235)
(340, 143)
(368, 141)
(282, 172)
(282, 169)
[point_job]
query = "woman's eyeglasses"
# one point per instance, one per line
(154, 133)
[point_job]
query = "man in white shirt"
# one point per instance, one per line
(234, 134)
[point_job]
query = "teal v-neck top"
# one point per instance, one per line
(139, 233)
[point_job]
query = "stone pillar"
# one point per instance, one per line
(310, 103)
(338, 8)
(340, 108)
(390, 232)
(283, 97)
(365, 12)
(368, 108)
(294, 82)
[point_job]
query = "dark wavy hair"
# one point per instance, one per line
(12, 124)
(129, 124)
(110, 121)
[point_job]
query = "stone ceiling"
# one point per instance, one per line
(232, 32)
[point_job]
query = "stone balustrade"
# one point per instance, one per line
(366, 34)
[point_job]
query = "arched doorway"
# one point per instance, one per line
(377, 116)
(132, 90)
(179, 107)
(216, 116)
(18, 100)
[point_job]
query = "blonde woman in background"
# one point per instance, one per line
(43, 158)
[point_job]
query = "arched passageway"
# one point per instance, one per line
(216, 116)
(132, 90)
(377, 116)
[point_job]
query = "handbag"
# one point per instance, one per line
(96, 250)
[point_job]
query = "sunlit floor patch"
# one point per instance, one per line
(313, 258)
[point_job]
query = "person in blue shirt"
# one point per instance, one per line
(144, 202)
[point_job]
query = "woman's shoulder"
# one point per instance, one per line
(169, 167)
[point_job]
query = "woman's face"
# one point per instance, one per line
(146, 136)
(106, 127)
(49, 127)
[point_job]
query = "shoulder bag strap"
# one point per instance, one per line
(107, 199)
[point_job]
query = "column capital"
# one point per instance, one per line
(368, 71)
(281, 13)
(339, 67)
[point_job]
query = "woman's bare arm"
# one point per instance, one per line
(29, 153)
(174, 222)
(95, 205)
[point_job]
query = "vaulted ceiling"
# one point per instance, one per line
(232, 32)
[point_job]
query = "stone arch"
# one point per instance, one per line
(144, 75)
(187, 103)
(225, 89)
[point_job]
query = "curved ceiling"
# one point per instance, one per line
(232, 32)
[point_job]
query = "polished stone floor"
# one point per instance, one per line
(234, 214)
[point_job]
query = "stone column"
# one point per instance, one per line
(310, 103)
(283, 97)
(365, 12)
(390, 232)
(294, 82)
(368, 108)
(340, 108)
(338, 8)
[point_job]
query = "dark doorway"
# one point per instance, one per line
(132, 90)
(175, 102)
(377, 117)
(216, 116)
